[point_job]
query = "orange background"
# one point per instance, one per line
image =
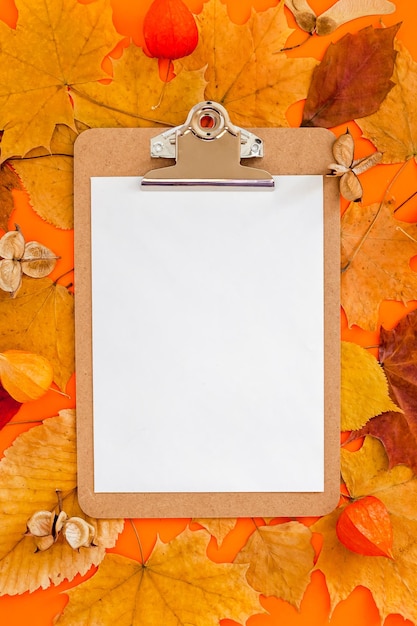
(40, 607)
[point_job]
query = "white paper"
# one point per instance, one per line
(208, 338)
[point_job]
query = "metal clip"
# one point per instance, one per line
(208, 149)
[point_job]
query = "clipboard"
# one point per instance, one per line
(204, 389)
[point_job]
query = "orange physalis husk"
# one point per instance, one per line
(24, 375)
(365, 527)
(170, 30)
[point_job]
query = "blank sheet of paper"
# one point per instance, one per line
(208, 338)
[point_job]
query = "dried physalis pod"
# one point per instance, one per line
(79, 533)
(45, 527)
(348, 169)
(37, 260)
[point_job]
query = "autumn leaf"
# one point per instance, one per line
(48, 177)
(392, 582)
(376, 250)
(281, 560)
(364, 388)
(393, 128)
(57, 45)
(41, 461)
(353, 78)
(8, 407)
(40, 320)
(398, 355)
(218, 527)
(178, 584)
(8, 181)
(24, 375)
(245, 71)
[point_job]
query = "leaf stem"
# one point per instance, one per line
(297, 45)
(405, 201)
(135, 530)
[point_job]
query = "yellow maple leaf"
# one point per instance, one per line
(364, 388)
(41, 461)
(246, 72)
(177, 585)
(135, 90)
(392, 582)
(376, 251)
(393, 128)
(57, 44)
(40, 319)
(281, 560)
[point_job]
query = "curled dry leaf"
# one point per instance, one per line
(45, 527)
(24, 375)
(78, 533)
(348, 169)
(339, 13)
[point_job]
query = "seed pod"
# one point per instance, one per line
(10, 275)
(350, 187)
(78, 533)
(37, 261)
(12, 245)
(343, 149)
(303, 14)
(346, 10)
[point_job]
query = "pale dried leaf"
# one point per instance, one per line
(343, 149)
(350, 187)
(12, 245)
(10, 275)
(39, 462)
(37, 261)
(346, 10)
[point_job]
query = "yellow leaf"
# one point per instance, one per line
(135, 89)
(281, 560)
(364, 389)
(177, 585)
(25, 376)
(246, 72)
(39, 462)
(41, 320)
(376, 252)
(393, 128)
(58, 44)
(218, 527)
(392, 582)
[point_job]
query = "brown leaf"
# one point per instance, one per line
(398, 433)
(281, 560)
(376, 250)
(8, 181)
(177, 585)
(393, 128)
(336, 96)
(39, 462)
(40, 320)
(245, 71)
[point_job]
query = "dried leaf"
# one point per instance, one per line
(376, 250)
(392, 582)
(8, 181)
(218, 527)
(57, 45)
(24, 375)
(346, 10)
(39, 462)
(8, 407)
(244, 72)
(37, 261)
(177, 585)
(281, 560)
(41, 320)
(130, 98)
(367, 59)
(393, 128)
(364, 389)
(365, 527)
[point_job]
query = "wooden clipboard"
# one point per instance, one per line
(125, 153)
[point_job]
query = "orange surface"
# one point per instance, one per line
(40, 607)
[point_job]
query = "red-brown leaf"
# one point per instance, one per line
(353, 79)
(8, 407)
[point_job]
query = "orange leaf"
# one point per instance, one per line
(365, 527)
(24, 375)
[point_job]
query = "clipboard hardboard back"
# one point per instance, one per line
(125, 153)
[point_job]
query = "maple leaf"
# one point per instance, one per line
(376, 250)
(244, 72)
(57, 45)
(393, 128)
(218, 527)
(177, 585)
(8, 181)
(364, 388)
(40, 320)
(398, 355)
(392, 582)
(48, 178)
(130, 98)
(353, 78)
(8, 407)
(41, 461)
(281, 560)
